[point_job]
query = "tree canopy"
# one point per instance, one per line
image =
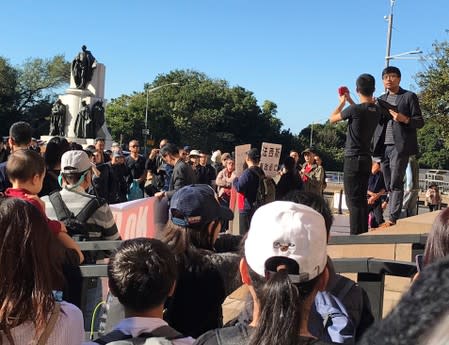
(201, 112)
(434, 99)
(27, 91)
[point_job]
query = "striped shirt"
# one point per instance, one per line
(76, 200)
(389, 139)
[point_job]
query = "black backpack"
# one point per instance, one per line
(162, 335)
(266, 192)
(76, 225)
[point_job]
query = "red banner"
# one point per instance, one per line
(140, 218)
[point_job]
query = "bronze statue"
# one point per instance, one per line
(98, 116)
(84, 126)
(57, 119)
(83, 68)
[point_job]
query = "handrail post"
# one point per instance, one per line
(374, 285)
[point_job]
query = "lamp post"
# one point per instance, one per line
(401, 56)
(390, 27)
(404, 56)
(311, 135)
(146, 130)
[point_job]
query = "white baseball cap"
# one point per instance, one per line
(75, 161)
(283, 229)
(194, 153)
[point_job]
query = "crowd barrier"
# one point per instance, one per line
(370, 272)
(417, 241)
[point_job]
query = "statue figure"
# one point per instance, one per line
(98, 116)
(83, 68)
(84, 126)
(57, 118)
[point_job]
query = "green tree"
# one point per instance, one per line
(434, 101)
(202, 112)
(328, 140)
(9, 97)
(433, 144)
(27, 91)
(38, 77)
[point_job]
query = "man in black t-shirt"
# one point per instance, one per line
(362, 121)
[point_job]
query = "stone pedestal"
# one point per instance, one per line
(72, 100)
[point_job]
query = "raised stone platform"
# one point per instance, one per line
(394, 286)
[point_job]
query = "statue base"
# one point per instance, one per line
(73, 98)
(84, 142)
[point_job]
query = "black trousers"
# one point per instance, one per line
(356, 174)
(378, 216)
(393, 167)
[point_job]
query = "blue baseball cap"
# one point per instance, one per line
(197, 204)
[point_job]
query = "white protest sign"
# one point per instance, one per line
(269, 158)
(240, 156)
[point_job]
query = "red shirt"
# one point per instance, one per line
(307, 169)
(54, 225)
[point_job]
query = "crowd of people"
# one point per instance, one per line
(170, 289)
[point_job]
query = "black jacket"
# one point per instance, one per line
(183, 175)
(404, 135)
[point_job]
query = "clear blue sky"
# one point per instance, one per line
(293, 52)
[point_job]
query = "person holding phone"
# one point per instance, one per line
(362, 121)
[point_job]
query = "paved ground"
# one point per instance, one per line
(341, 221)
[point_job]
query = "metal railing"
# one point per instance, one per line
(443, 186)
(417, 241)
(370, 272)
(334, 177)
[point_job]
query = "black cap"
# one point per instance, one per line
(197, 204)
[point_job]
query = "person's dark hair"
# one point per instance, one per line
(391, 70)
(365, 84)
(99, 139)
(89, 153)
(141, 273)
(437, 245)
(72, 178)
(30, 265)
(315, 201)
(75, 146)
(23, 165)
(56, 147)
(169, 149)
(289, 164)
(183, 239)
(253, 155)
(21, 133)
(281, 304)
(90, 148)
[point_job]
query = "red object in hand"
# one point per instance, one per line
(342, 90)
